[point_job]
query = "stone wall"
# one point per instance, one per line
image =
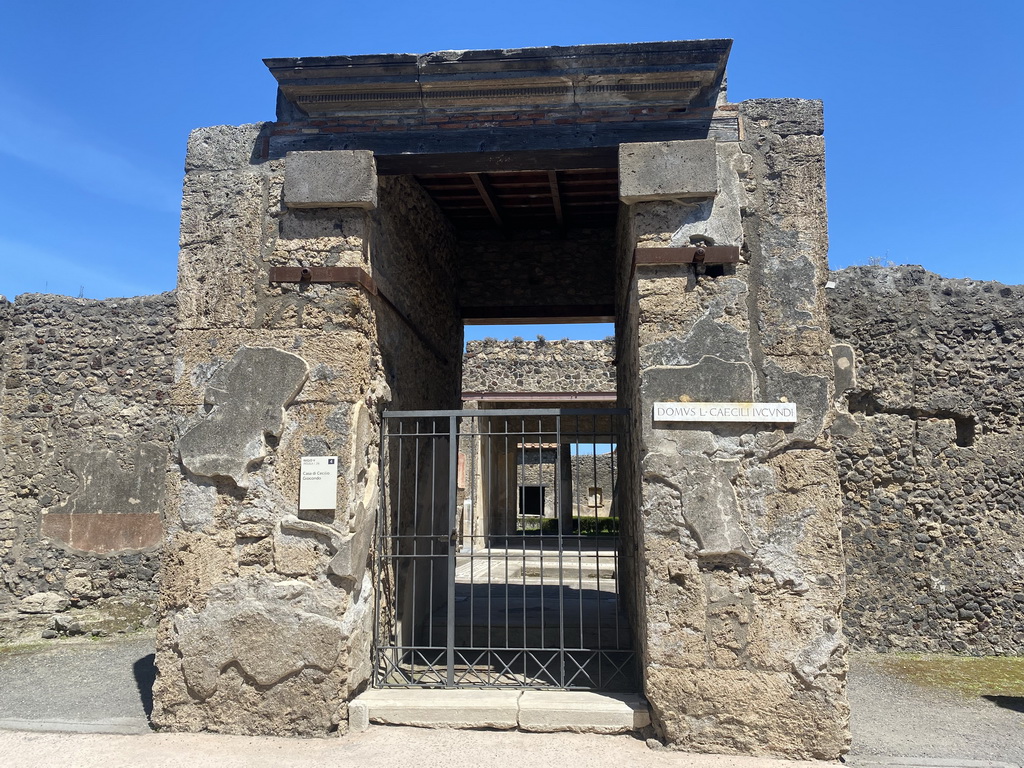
(931, 490)
(538, 366)
(929, 452)
(414, 264)
(85, 434)
(737, 572)
(260, 604)
(732, 568)
(927, 445)
(266, 608)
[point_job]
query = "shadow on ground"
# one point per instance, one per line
(145, 675)
(1016, 703)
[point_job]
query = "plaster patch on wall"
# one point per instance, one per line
(105, 487)
(248, 395)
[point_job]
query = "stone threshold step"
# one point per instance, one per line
(540, 711)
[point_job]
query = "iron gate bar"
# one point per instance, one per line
(515, 653)
(453, 466)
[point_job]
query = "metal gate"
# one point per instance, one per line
(497, 549)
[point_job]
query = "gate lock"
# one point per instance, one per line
(451, 539)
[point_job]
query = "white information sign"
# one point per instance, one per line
(781, 413)
(318, 482)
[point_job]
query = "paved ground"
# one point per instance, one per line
(85, 704)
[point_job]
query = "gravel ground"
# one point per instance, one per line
(893, 717)
(69, 683)
(84, 703)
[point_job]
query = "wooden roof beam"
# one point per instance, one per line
(556, 197)
(488, 197)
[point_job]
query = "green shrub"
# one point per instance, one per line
(591, 526)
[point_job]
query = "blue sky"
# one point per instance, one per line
(922, 103)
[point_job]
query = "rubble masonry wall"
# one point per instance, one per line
(929, 423)
(929, 450)
(527, 271)
(85, 439)
(931, 403)
(538, 366)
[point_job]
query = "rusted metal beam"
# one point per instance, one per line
(485, 192)
(693, 254)
(352, 275)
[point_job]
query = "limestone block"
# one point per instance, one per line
(778, 557)
(197, 504)
(301, 547)
(809, 392)
(193, 565)
(706, 337)
(220, 271)
(581, 712)
(332, 179)
(271, 630)
(339, 361)
(452, 708)
(43, 602)
(295, 554)
(714, 220)
(667, 170)
(707, 499)
(791, 319)
(786, 117)
(248, 396)
(812, 660)
(710, 380)
(223, 147)
(753, 712)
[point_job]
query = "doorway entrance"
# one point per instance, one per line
(497, 551)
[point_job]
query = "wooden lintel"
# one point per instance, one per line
(604, 158)
(543, 397)
(593, 145)
(706, 254)
(525, 315)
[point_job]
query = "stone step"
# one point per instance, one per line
(532, 710)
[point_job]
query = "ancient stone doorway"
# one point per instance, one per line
(477, 584)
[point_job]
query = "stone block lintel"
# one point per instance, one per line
(330, 179)
(667, 170)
